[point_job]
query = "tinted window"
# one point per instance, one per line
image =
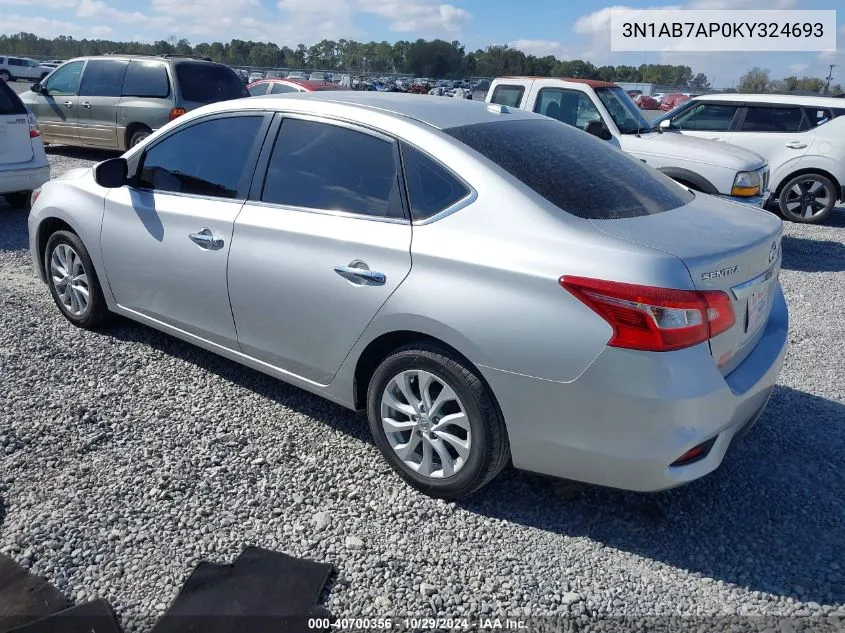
(431, 187)
(2, 60)
(209, 83)
(65, 80)
(13, 61)
(321, 166)
(103, 78)
(278, 89)
(714, 117)
(568, 106)
(774, 119)
(10, 103)
(191, 161)
(575, 171)
(260, 89)
(508, 95)
(146, 79)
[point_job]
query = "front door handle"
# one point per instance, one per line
(358, 272)
(85, 104)
(796, 145)
(68, 104)
(205, 239)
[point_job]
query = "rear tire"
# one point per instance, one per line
(73, 281)
(461, 447)
(807, 199)
(19, 200)
(139, 135)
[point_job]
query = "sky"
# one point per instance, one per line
(568, 29)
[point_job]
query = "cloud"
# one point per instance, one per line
(540, 48)
(101, 30)
(44, 26)
(99, 9)
(795, 69)
(41, 4)
(740, 4)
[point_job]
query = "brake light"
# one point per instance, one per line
(175, 113)
(34, 196)
(34, 130)
(654, 319)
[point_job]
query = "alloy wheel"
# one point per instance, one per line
(69, 279)
(807, 198)
(426, 424)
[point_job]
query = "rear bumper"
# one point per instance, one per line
(630, 415)
(23, 179)
(756, 201)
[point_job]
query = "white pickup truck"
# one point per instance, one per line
(605, 110)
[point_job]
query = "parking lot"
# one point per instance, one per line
(128, 456)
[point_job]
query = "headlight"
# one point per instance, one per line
(746, 183)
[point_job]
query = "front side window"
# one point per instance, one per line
(103, 78)
(712, 117)
(321, 166)
(431, 187)
(510, 96)
(65, 80)
(146, 79)
(774, 119)
(576, 172)
(572, 107)
(818, 116)
(624, 112)
(32, 63)
(191, 161)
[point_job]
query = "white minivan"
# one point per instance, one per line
(23, 163)
(802, 137)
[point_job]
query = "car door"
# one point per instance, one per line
(56, 106)
(778, 132)
(166, 236)
(319, 247)
(706, 119)
(99, 96)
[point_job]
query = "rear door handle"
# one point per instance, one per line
(796, 145)
(205, 239)
(85, 104)
(359, 273)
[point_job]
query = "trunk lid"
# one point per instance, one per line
(725, 246)
(15, 144)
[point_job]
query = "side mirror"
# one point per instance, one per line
(665, 124)
(36, 87)
(599, 129)
(112, 173)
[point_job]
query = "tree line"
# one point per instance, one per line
(422, 58)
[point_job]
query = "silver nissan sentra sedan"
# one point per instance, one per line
(488, 284)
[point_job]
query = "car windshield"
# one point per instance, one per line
(209, 83)
(559, 162)
(624, 112)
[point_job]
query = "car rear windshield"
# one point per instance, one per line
(573, 170)
(209, 83)
(10, 103)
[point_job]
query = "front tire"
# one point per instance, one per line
(807, 199)
(73, 282)
(436, 422)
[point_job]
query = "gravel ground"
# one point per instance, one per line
(127, 456)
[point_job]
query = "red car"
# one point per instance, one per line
(282, 86)
(647, 103)
(673, 100)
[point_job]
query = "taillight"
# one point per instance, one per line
(654, 319)
(175, 113)
(34, 131)
(34, 196)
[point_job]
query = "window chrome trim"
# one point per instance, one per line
(331, 212)
(467, 200)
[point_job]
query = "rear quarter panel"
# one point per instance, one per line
(154, 113)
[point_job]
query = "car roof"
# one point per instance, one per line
(593, 83)
(797, 100)
(438, 112)
(159, 58)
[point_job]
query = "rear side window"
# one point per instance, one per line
(146, 79)
(10, 103)
(16, 62)
(278, 89)
(257, 90)
(190, 161)
(321, 166)
(103, 78)
(510, 96)
(431, 187)
(209, 83)
(576, 172)
(572, 107)
(774, 119)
